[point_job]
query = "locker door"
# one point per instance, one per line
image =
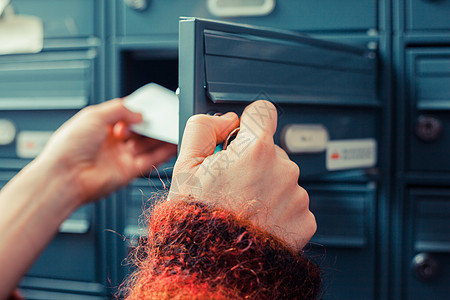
(325, 92)
(427, 247)
(429, 91)
(345, 242)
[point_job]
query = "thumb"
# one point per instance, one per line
(202, 133)
(258, 120)
(114, 111)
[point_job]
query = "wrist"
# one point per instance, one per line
(60, 182)
(32, 207)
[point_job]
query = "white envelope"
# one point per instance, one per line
(159, 109)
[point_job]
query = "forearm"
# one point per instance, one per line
(32, 207)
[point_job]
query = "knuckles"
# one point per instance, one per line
(293, 170)
(89, 112)
(262, 149)
(302, 199)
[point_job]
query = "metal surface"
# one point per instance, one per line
(309, 80)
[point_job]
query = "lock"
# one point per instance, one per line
(428, 128)
(425, 267)
(139, 5)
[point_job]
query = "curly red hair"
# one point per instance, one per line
(198, 251)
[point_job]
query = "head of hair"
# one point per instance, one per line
(199, 251)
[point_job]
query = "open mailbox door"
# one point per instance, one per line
(325, 92)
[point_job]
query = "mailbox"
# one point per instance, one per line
(39, 92)
(429, 98)
(426, 15)
(427, 261)
(325, 92)
(159, 17)
(73, 19)
(344, 244)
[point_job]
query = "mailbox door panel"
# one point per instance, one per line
(427, 15)
(429, 92)
(61, 19)
(161, 17)
(138, 199)
(427, 261)
(320, 89)
(344, 244)
(39, 93)
(48, 80)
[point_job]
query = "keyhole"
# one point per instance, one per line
(428, 128)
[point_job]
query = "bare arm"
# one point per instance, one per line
(89, 157)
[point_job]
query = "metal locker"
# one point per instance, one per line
(320, 88)
(344, 245)
(61, 19)
(154, 18)
(39, 92)
(427, 259)
(426, 15)
(429, 96)
(139, 198)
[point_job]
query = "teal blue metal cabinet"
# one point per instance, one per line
(62, 19)
(427, 15)
(345, 242)
(38, 93)
(427, 243)
(429, 96)
(47, 88)
(329, 86)
(158, 17)
(136, 205)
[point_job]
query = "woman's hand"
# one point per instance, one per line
(98, 149)
(252, 177)
(90, 156)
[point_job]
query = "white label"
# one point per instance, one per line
(351, 154)
(233, 8)
(74, 226)
(21, 34)
(304, 138)
(31, 143)
(7, 132)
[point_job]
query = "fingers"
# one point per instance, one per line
(113, 111)
(257, 127)
(121, 130)
(203, 133)
(259, 119)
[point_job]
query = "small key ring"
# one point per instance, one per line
(231, 136)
